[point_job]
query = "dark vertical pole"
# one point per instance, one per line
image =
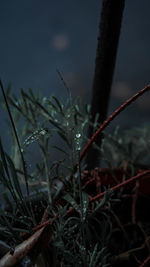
(109, 32)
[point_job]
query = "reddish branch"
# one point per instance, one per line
(124, 183)
(111, 117)
(106, 122)
(145, 261)
(98, 196)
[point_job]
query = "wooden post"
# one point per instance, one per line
(109, 32)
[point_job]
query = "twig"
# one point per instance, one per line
(134, 178)
(97, 197)
(125, 255)
(145, 261)
(111, 117)
(134, 200)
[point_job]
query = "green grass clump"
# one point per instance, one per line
(52, 193)
(26, 195)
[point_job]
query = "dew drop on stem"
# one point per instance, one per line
(78, 141)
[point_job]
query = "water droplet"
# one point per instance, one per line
(17, 103)
(76, 175)
(84, 210)
(27, 143)
(78, 135)
(78, 141)
(120, 141)
(68, 116)
(44, 100)
(43, 132)
(66, 123)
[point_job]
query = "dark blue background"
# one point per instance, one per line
(38, 36)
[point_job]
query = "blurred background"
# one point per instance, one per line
(40, 36)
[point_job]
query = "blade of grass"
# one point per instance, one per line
(17, 139)
(30, 212)
(15, 178)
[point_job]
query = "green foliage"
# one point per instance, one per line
(37, 121)
(81, 238)
(68, 247)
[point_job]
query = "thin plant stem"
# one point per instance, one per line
(48, 179)
(65, 84)
(72, 166)
(145, 261)
(80, 186)
(30, 212)
(44, 152)
(97, 197)
(17, 139)
(81, 209)
(111, 117)
(132, 179)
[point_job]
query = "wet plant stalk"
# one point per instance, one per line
(48, 179)
(17, 139)
(81, 210)
(30, 212)
(74, 181)
(80, 186)
(44, 152)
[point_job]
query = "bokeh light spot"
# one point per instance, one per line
(60, 42)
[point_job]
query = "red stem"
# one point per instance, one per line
(92, 199)
(110, 118)
(145, 261)
(134, 178)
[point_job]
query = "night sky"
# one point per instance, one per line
(39, 36)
